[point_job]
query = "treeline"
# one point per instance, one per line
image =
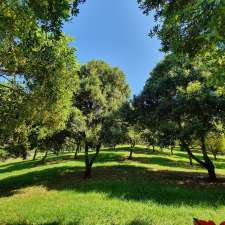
(48, 98)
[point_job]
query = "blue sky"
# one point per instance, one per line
(116, 31)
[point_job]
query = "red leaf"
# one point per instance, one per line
(203, 222)
(223, 223)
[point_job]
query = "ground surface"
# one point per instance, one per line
(151, 189)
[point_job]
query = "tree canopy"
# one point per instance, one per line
(187, 26)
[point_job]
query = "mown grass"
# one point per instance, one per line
(153, 189)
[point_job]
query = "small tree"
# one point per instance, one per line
(215, 143)
(114, 131)
(133, 138)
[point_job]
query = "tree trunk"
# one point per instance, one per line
(24, 155)
(215, 156)
(89, 162)
(131, 151)
(45, 156)
(153, 148)
(185, 147)
(35, 154)
(190, 158)
(208, 163)
(171, 150)
(77, 150)
(87, 173)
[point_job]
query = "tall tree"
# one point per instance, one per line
(35, 57)
(103, 89)
(182, 96)
(193, 28)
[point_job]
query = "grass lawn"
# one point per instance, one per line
(151, 189)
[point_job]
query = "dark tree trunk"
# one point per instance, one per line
(24, 155)
(171, 150)
(89, 162)
(190, 158)
(185, 147)
(153, 148)
(131, 151)
(87, 173)
(45, 156)
(77, 150)
(214, 155)
(208, 162)
(35, 154)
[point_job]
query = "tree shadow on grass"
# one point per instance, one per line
(137, 150)
(15, 166)
(125, 183)
(139, 222)
(164, 162)
(54, 159)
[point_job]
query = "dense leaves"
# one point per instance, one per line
(181, 103)
(188, 26)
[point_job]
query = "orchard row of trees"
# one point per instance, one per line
(48, 98)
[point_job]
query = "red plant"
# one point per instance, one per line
(203, 222)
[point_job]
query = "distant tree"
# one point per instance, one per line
(133, 138)
(114, 131)
(76, 127)
(167, 135)
(53, 143)
(103, 90)
(149, 138)
(215, 143)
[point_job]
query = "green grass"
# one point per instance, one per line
(153, 189)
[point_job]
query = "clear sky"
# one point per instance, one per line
(116, 31)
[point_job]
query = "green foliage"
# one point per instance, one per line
(102, 91)
(148, 138)
(49, 15)
(3, 154)
(181, 102)
(194, 29)
(133, 135)
(188, 26)
(36, 65)
(215, 143)
(114, 130)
